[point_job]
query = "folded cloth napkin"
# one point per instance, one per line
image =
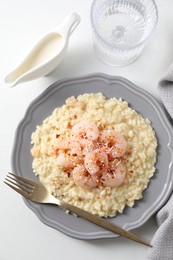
(166, 90)
(163, 239)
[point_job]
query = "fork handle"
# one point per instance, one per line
(103, 223)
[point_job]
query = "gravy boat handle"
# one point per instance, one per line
(68, 26)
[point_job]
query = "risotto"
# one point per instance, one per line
(95, 153)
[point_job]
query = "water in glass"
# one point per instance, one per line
(121, 27)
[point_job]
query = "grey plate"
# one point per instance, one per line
(160, 185)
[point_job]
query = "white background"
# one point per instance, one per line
(22, 23)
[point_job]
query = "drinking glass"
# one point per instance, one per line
(121, 28)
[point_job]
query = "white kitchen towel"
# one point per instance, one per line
(163, 239)
(166, 90)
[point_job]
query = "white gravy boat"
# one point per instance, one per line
(46, 54)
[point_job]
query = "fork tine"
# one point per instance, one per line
(16, 189)
(23, 179)
(19, 181)
(15, 183)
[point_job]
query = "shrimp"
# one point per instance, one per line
(35, 151)
(73, 102)
(113, 143)
(115, 176)
(85, 132)
(82, 178)
(96, 161)
(72, 145)
(67, 161)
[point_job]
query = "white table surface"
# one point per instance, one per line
(22, 23)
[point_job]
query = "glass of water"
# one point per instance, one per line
(121, 28)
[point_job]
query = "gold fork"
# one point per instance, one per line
(38, 193)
